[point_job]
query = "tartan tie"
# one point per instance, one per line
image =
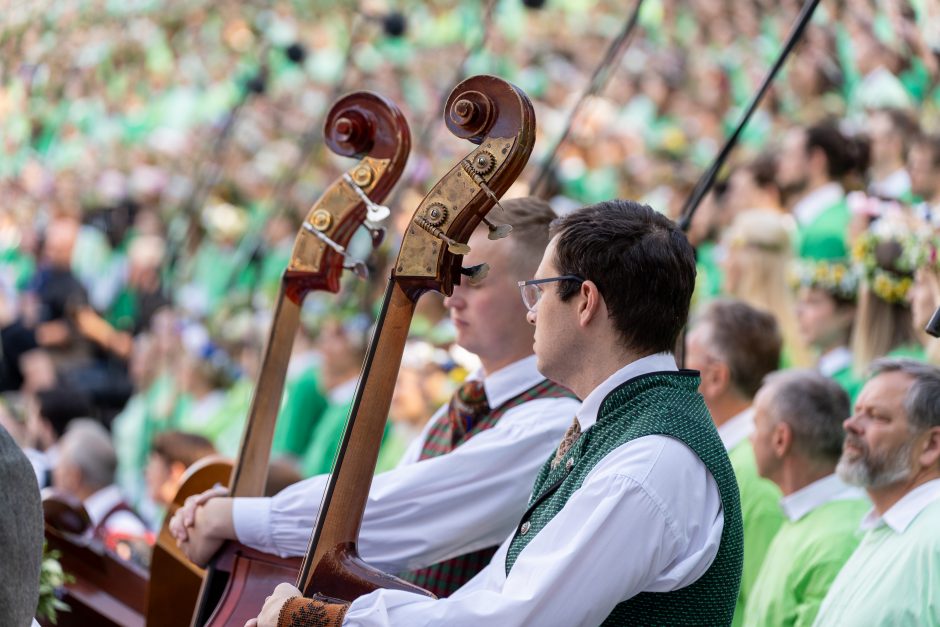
(467, 405)
(571, 436)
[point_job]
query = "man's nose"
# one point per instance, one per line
(530, 317)
(851, 425)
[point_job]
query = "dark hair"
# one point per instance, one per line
(841, 152)
(746, 339)
(178, 446)
(641, 262)
(814, 407)
(60, 406)
(763, 169)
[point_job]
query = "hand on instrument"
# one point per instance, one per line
(185, 516)
(272, 606)
(286, 606)
(213, 525)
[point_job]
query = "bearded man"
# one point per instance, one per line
(892, 449)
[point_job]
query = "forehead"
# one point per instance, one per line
(886, 391)
(547, 264)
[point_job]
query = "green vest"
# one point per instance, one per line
(654, 404)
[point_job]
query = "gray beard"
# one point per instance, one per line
(868, 471)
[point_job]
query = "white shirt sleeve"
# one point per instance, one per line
(647, 518)
(427, 511)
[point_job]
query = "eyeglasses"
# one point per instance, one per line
(531, 290)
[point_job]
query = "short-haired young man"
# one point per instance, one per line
(635, 518)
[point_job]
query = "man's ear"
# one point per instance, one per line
(591, 304)
(930, 455)
(716, 377)
(176, 471)
(781, 439)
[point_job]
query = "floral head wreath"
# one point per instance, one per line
(836, 277)
(888, 284)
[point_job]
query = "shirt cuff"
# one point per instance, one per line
(251, 518)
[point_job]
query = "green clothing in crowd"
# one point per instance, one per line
(893, 578)
(804, 559)
(824, 237)
(303, 405)
(326, 436)
(760, 509)
(324, 441)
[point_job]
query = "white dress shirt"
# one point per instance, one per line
(737, 428)
(818, 493)
(816, 202)
(894, 185)
(426, 511)
(648, 517)
(124, 522)
(835, 360)
(900, 515)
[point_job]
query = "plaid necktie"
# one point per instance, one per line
(467, 405)
(571, 436)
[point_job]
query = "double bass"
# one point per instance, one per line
(371, 128)
(499, 118)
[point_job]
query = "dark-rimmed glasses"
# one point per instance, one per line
(531, 290)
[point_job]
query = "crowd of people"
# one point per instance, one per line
(157, 160)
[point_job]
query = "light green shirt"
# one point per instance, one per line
(760, 509)
(893, 578)
(819, 535)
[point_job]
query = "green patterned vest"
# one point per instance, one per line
(660, 403)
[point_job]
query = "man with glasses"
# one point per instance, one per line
(437, 518)
(635, 519)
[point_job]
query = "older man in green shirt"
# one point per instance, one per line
(892, 449)
(797, 441)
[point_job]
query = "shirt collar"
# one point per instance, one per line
(900, 515)
(101, 502)
(819, 492)
(737, 428)
(835, 360)
(509, 381)
(344, 391)
(814, 203)
(893, 186)
(660, 362)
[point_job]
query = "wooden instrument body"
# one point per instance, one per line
(363, 125)
(169, 605)
(238, 582)
(499, 118)
(106, 589)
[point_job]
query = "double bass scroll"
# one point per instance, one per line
(370, 128)
(499, 119)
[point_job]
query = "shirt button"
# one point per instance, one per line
(569, 464)
(524, 529)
